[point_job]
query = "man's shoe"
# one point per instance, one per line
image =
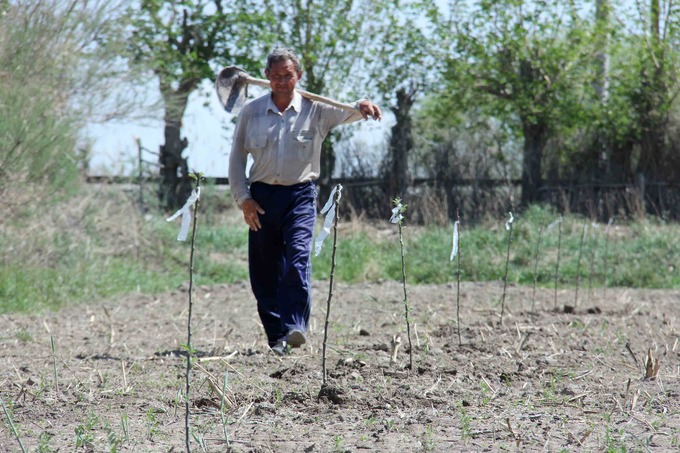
(280, 348)
(296, 338)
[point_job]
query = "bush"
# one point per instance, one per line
(37, 130)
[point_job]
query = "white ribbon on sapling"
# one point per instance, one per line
(330, 210)
(454, 249)
(554, 223)
(396, 214)
(185, 212)
(510, 220)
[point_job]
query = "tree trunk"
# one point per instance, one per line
(535, 139)
(620, 162)
(602, 14)
(601, 144)
(653, 163)
(401, 144)
(175, 185)
(446, 172)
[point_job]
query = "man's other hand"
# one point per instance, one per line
(251, 213)
(367, 108)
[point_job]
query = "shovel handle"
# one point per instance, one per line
(307, 94)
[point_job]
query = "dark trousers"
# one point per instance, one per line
(279, 257)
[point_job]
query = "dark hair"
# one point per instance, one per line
(283, 54)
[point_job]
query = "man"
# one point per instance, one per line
(283, 133)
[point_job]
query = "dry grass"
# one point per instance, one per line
(100, 220)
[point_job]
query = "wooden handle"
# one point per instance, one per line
(325, 100)
(307, 94)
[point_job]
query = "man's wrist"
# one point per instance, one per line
(242, 199)
(357, 104)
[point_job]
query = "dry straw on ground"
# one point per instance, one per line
(544, 381)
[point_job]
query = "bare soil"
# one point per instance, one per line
(542, 380)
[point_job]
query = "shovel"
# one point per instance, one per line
(232, 90)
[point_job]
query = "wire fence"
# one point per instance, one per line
(472, 199)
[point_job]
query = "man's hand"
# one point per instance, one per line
(251, 213)
(367, 108)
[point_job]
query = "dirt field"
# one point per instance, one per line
(543, 381)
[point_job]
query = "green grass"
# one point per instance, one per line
(24, 289)
(74, 274)
(64, 267)
(637, 255)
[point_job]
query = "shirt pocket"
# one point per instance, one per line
(303, 141)
(255, 144)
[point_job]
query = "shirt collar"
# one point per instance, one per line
(296, 103)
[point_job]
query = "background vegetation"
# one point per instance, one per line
(99, 244)
(573, 107)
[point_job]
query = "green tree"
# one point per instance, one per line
(521, 63)
(643, 90)
(401, 64)
(184, 42)
(658, 88)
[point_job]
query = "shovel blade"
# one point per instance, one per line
(232, 88)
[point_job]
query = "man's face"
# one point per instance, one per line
(283, 77)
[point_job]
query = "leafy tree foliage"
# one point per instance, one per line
(645, 90)
(402, 64)
(184, 42)
(521, 63)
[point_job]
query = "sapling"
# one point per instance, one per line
(455, 252)
(557, 262)
(398, 217)
(190, 350)
(578, 262)
(333, 215)
(593, 248)
(185, 212)
(508, 227)
(538, 244)
(606, 249)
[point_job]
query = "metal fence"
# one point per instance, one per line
(430, 201)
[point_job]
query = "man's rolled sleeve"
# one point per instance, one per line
(334, 116)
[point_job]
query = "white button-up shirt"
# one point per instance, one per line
(285, 146)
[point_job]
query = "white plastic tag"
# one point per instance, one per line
(554, 223)
(396, 214)
(329, 209)
(185, 212)
(509, 222)
(454, 249)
